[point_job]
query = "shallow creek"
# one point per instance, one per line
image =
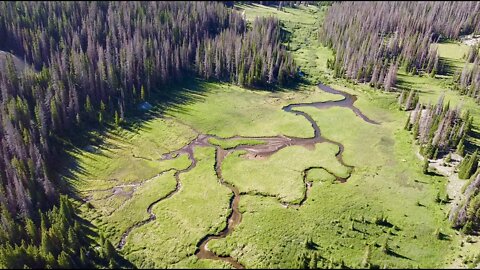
(271, 145)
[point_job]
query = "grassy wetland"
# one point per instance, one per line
(233, 177)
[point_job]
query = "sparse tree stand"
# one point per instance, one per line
(437, 128)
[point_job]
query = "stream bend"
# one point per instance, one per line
(271, 146)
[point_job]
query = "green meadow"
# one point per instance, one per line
(386, 200)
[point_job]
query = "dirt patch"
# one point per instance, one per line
(120, 191)
(254, 156)
(470, 39)
(455, 184)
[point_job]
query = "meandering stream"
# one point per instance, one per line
(271, 146)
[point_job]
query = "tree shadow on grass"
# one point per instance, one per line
(166, 101)
(419, 181)
(449, 66)
(433, 173)
(171, 98)
(421, 205)
(312, 245)
(355, 229)
(442, 236)
(475, 133)
(286, 35)
(471, 143)
(395, 254)
(384, 223)
(404, 84)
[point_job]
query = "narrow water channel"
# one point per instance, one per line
(271, 146)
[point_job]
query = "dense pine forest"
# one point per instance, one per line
(94, 61)
(58, 241)
(370, 46)
(67, 68)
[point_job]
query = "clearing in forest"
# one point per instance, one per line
(311, 180)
